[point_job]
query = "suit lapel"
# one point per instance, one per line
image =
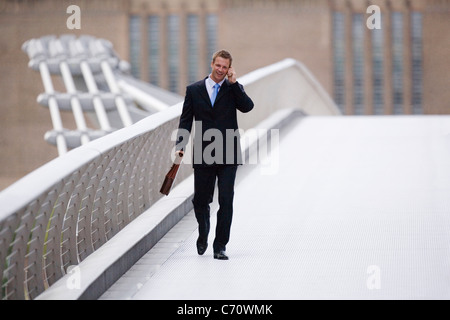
(223, 90)
(204, 92)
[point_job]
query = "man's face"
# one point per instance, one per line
(219, 69)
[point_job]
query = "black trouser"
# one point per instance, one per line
(204, 183)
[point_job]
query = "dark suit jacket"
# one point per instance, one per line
(217, 139)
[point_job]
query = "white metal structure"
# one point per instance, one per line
(97, 86)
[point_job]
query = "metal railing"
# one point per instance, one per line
(60, 213)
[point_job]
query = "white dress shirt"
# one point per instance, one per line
(210, 84)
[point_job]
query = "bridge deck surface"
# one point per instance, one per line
(358, 208)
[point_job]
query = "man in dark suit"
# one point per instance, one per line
(213, 103)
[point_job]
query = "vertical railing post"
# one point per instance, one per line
(54, 110)
(57, 48)
(79, 51)
(100, 50)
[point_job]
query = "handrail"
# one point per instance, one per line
(287, 84)
(60, 213)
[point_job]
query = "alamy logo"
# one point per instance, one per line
(374, 21)
(74, 21)
(260, 146)
(74, 279)
(374, 278)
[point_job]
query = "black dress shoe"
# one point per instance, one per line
(201, 247)
(220, 255)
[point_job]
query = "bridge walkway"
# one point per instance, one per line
(349, 208)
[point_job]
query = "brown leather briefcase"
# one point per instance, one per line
(170, 176)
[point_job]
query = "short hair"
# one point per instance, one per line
(223, 54)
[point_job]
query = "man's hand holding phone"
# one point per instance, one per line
(231, 75)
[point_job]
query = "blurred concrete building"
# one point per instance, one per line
(401, 68)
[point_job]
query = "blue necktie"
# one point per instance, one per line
(214, 94)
